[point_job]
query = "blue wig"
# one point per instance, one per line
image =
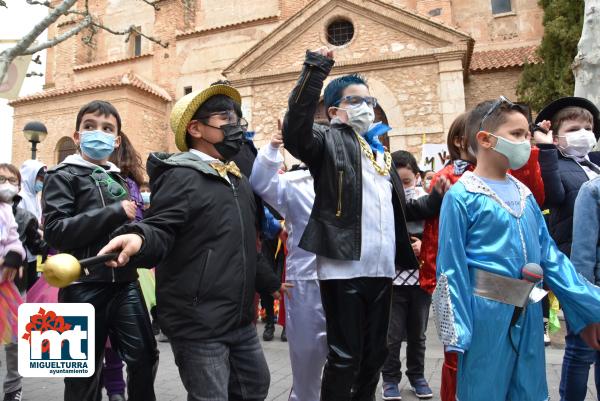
(334, 90)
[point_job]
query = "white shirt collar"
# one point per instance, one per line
(203, 156)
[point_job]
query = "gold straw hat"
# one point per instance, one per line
(184, 109)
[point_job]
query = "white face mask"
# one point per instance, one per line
(360, 118)
(410, 192)
(8, 192)
(579, 143)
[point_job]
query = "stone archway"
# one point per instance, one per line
(64, 147)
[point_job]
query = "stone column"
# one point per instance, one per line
(452, 91)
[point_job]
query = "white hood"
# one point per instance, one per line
(77, 160)
(30, 201)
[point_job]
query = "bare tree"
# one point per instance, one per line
(586, 65)
(84, 19)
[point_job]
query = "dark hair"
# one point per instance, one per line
(457, 131)
(424, 173)
(335, 89)
(570, 113)
(98, 107)
(491, 123)
(13, 170)
(128, 160)
(402, 158)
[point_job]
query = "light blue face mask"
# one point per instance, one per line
(517, 153)
(146, 198)
(97, 145)
(38, 186)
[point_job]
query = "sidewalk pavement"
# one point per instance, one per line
(169, 388)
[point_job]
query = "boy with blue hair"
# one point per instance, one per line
(357, 227)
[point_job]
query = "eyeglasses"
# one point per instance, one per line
(355, 101)
(115, 190)
(496, 105)
(12, 180)
(231, 117)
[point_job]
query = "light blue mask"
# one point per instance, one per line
(97, 145)
(146, 198)
(38, 186)
(517, 153)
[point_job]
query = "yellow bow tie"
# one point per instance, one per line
(223, 169)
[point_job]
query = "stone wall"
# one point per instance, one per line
(490, 85)
(523, 25)
(143, 119)
(409, 96)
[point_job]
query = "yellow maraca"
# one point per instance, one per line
(62, 269)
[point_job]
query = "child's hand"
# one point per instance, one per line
(442, 185)
(276, 140)
(416, 246)
(325, 52)
(540, 137)
(127, 245)
(130, 208)
(285, 288)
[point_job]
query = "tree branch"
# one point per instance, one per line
(60, 38)
(37, 30)
(128, 32)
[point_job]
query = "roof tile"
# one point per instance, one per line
(128, 79)
(503, 58)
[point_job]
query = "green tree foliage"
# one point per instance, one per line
(552, 78)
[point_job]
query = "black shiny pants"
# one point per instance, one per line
(121, 314)
(358, 313)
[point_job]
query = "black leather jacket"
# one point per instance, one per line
(333, 156)
(80, 214)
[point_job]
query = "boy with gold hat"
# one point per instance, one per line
(200, 232)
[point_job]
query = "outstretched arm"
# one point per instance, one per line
(298, 135)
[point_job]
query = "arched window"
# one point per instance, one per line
(65, 147)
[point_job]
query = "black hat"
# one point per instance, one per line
(549, 111)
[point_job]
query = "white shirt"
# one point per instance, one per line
(292, 195)
(208, 159)
(378, 238)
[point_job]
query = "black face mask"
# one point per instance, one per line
(233, 136)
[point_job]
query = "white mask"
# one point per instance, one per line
(8, 192)
(360, 118)
(579, 143)
(410, 192)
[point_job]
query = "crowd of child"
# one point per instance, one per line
(357, 244)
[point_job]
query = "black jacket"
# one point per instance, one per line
(333, 156)
(563, 178)
(200, 232)
(80, 214)
(28, 228)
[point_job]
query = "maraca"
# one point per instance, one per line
(62, 269)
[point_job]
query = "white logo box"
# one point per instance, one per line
(48, 347)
